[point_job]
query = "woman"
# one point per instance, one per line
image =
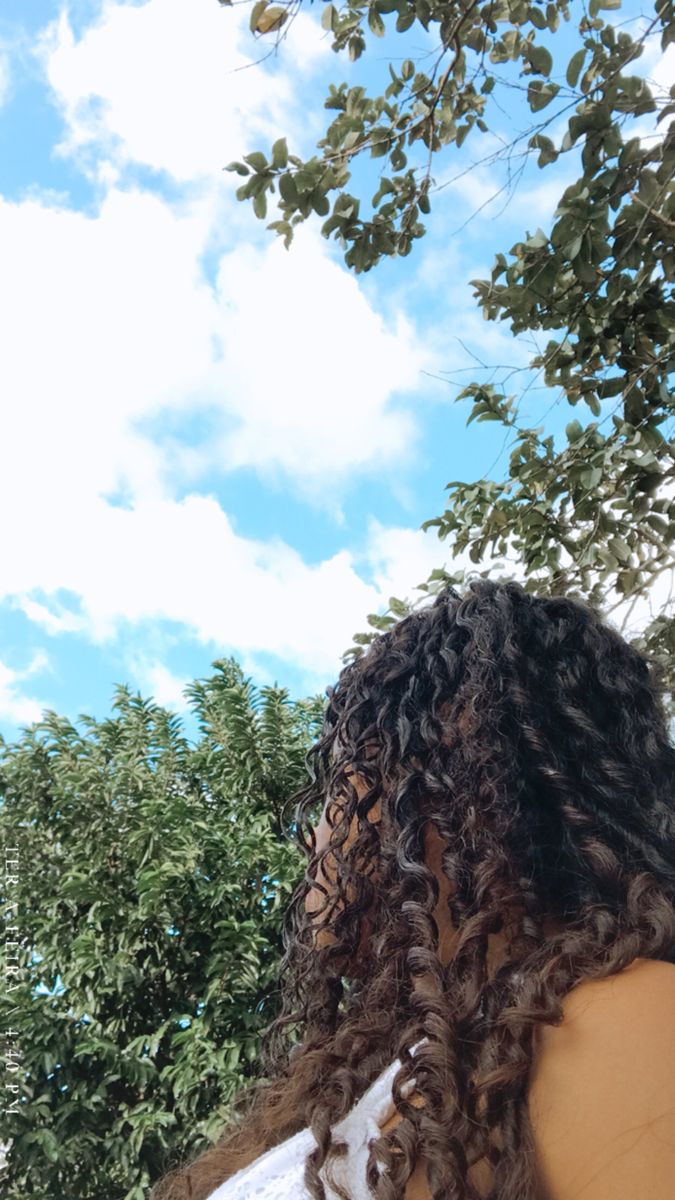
(478, 980)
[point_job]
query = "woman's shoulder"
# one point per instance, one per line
(642, 974)
(602, 1091)
(597, 1012)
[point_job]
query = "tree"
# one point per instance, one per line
(596, 517)
(150, 890)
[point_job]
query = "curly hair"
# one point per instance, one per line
(535, 739)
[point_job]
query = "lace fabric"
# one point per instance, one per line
(278, 1173)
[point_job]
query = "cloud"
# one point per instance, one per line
(398, 559)
(165, 688)
(313, 367)
(124, 325)
(292, 370)
(15, 706)
(38, 663)
(174, 86)
(53, 620)
(146, 377)
(183, 561)
(282, 363)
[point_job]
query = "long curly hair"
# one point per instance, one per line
(535, 739)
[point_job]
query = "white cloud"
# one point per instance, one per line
(287, 364)
(38, 663)
(165, 688)
(53, 620)
(184, 562)
(124, 331)
(15, 706)
(470, 195)
(312, 367)
(175, 86)
(293, 368)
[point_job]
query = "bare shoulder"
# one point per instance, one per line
(602, 1091)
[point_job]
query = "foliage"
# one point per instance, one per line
(597, 515)
(153, 876)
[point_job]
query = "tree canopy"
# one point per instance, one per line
(596, 515)
(152, 880)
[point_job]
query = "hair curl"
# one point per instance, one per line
(535, 739)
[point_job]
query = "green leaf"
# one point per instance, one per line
(610, 387)
(305, 181)
(591, 477)
(540, 59)
(620, 548)
(572, 249)
(538, 240)
(574, 67)
(405, 19)
(280, 153)
(548, 152)
(257, 160)
(461, 133)
(540, 94)
(398, 607)
(260, 205)
(375, 22)
(328, 17)
(287, 189)
(536, 16)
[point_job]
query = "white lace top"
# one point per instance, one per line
(278, 1174)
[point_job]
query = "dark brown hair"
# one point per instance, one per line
(534, 737)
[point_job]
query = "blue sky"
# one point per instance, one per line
(212, 446)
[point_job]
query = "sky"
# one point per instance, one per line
(211, 445)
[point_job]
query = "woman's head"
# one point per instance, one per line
(327, 893)
(521, 744)
(514, 730)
